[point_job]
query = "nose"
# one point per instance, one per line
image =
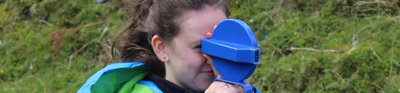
(208, 59)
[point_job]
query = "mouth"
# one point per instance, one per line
(208, 72)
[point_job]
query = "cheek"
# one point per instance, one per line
(193, 59)
(188, 58)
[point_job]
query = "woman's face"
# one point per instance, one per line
(186, 66)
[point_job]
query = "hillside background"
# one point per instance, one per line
(53, 46)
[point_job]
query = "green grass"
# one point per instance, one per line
(60, 55)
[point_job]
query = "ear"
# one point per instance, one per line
(159, 48)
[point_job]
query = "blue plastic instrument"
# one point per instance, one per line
(234, 52)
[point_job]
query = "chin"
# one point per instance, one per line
(202, 86)
(205, 85)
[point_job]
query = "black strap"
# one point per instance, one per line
(167, 86)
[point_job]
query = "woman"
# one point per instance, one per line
(163, 50)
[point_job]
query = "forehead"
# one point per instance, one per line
(195, 23)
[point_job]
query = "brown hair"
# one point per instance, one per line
(157, 17)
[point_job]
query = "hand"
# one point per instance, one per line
(208, 58)
(221, 87)
(218, 86)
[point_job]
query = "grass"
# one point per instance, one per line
(55, 45)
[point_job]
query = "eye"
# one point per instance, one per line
(198, 47)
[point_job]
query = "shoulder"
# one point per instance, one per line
(146, 86)
(105, 79)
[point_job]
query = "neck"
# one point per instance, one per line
(170, 76)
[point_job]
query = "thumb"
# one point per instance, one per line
(210, 62)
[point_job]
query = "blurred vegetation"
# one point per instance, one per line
(307, 45)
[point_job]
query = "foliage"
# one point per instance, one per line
(55, 45)
(365, 32)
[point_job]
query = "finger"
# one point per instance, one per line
(208, 34)
(209, 61)
(219, 83)
(208, 58)
(224, 87)
(238, 88)
(218, 75)
(246, 81)
(213, 87)
(232, 88)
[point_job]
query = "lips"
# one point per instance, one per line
(208, 72)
